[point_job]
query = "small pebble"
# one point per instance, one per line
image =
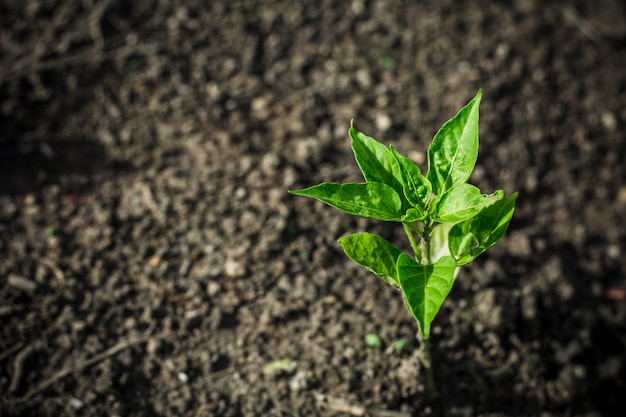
(76, 404)
(234, 268)
(21, 283)
(383, 122)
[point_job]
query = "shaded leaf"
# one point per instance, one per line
(373, 253)
(468, 239)
(376, 162)
(416, 187)
(413, 214)
(461, 241)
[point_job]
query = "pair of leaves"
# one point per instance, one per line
(396, 190)
(425, 287)
(380, 164)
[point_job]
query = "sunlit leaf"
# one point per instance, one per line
(454, 150)
(372, 200)
(460, 203)
(425, 287)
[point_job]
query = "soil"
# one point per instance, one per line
(153, 264)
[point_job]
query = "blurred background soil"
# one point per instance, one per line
(152, 263)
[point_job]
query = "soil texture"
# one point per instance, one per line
(153, 264)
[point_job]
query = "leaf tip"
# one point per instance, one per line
(352, 132)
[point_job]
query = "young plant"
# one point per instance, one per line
(448, 221)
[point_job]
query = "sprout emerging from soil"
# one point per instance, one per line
(448, 221)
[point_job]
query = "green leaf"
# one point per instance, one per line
(460, 203)
(373, 253)
(425, 287)
(376, 162)
(468, 239)
(413, 214)
(491, 224)
(461, 242)
(416, 187)
(454, 150)
(373, 340)
(279, 366)
(371, 200)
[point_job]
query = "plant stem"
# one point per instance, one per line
(425, 245)
(426, 360)
(428, 368)
(409, 233)
(422, 255)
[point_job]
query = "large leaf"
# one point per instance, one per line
(373, 253)
(372, 200)
(416, 187)
(454, 150)
(462, 202)
(425, 287)
(376, 162)
(470, 238)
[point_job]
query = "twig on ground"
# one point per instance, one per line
(9, 351)
(89, 362)
(58, 273)
(18, 366)
(342, 406)
(582, 24)
(94, 19)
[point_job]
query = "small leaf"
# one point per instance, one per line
(371, 200)
(387, 62)
(373, 253)
(376, 162)
(278, 366)
(400, 343)
(460, 203)
(413, 214)
(373, 340)
(454, 150)
(425, 287)
(468, 239)
(416, 187)
(461, 241)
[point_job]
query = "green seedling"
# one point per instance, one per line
(373, 341)
(400, 343)
(448, 221)
(278, 366)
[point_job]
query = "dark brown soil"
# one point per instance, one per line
(153, 264)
